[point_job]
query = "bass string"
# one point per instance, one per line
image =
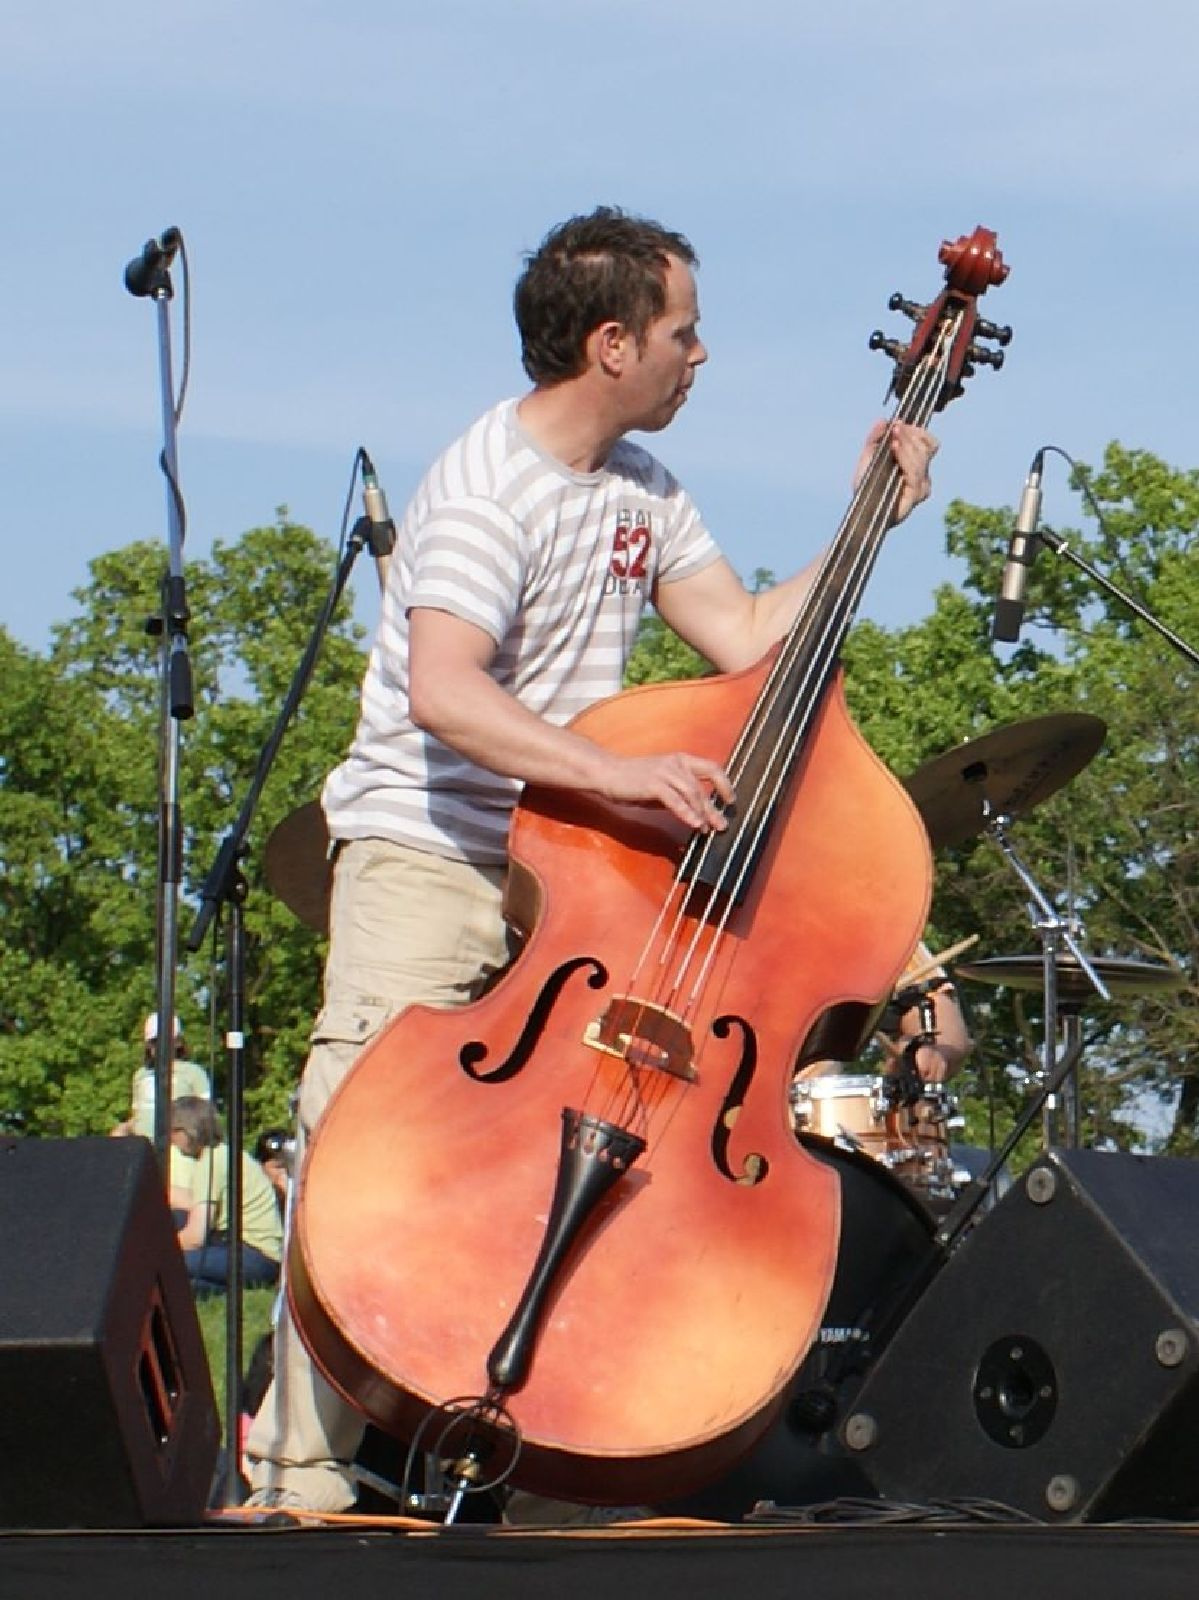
(801, 668)
(818, 644)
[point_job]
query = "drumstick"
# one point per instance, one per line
(934, 963)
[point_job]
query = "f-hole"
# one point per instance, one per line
(755, 1166)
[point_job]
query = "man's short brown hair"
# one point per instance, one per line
(603, 267)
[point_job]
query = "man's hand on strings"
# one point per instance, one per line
(691, 788)
(913, 449)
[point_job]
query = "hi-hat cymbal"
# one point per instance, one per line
(1006, 771)
(296, 865)
(1120, 977)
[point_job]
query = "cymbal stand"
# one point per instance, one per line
(1053, 932)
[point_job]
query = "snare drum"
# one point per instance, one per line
(863, 1113)
(849, 1108)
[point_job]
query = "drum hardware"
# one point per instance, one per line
(893, 1117)
(1120, 979)
(866, 1115)
(985, 785)
(846, 1141)
(936, 1176)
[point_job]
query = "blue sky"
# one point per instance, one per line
(356, 184)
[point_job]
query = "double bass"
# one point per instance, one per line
(574, 1213)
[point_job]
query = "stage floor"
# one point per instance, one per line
(365, 1558)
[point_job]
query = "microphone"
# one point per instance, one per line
(381, 532)
(1021, 553)
(144, 274)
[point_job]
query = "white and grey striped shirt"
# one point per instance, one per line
(557, 567)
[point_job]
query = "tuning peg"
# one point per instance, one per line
(984, 357)
(989, 330)
(895, 348)
(908, 307)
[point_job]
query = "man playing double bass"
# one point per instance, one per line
(520, 574)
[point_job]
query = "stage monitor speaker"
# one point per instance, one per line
(1052, 1364)
(107, 1416)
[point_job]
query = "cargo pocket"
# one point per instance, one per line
(340, 1033)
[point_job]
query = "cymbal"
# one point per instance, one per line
(1012, 768)
(296, 865)
(1074, 987)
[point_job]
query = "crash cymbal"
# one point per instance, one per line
(296, 864)
(1120, 977)
(1011, 769)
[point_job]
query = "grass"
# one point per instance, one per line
(256, 1320)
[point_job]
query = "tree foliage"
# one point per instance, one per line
(79, 804)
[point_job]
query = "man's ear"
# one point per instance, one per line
(609, 346)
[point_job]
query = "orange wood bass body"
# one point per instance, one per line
(670, 1342)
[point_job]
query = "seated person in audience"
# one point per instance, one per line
(188, 1078)
(200, 1189)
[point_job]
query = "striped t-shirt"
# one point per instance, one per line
(557, 567)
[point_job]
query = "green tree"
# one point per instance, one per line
(78, 817)
(78, 797)
(69, 895)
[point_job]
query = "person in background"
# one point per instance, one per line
(273, 1153)
(200, 1191)
(188, 1079)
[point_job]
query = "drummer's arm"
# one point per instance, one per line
(953, 1043)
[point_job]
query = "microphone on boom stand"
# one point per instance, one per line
(381, 530)
(1022, 552)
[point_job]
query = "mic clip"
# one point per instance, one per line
(380, 537)
(380, 530)
(149, 273)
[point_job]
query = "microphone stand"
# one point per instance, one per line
(225, 885)
(150, 277)
(1061, 547)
